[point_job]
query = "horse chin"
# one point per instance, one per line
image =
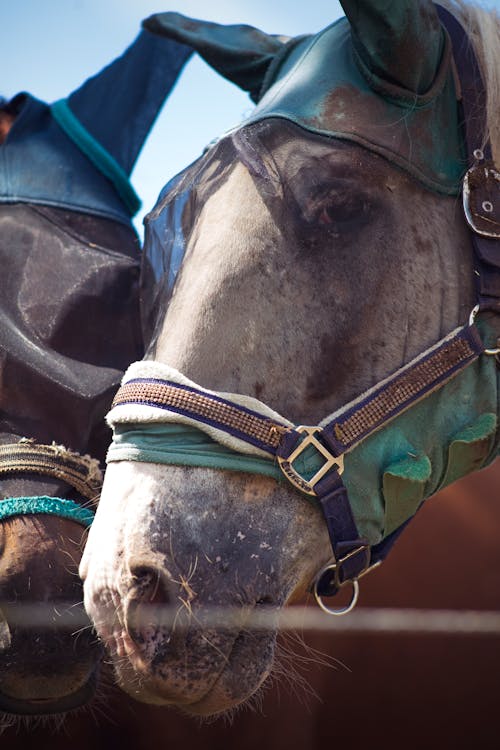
(65, 679)
(250, 664)
(155, 681)
(67, 701)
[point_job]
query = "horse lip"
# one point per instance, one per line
(196, 708)
(40, 706)
(140, 662)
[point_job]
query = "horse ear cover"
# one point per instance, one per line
(240, 53)
(381, 77)
(380, 30)
(399, 42)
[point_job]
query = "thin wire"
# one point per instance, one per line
(361, 621)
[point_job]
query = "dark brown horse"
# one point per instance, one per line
(68, 326)
(49, 579)
(50, 669)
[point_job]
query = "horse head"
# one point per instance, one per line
(69, 322)
(310, 254)
(45, 666)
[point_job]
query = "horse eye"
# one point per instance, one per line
(342, 210)
(335, 210)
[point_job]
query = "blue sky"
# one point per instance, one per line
(50, 47)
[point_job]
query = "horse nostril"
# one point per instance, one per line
(147, 603)
(149, 586)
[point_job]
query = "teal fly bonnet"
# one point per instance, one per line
(343, 82)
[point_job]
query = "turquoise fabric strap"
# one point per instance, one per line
(182, 445)
(54, 506)
(98, 155)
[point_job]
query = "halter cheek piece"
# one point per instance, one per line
(353, 556)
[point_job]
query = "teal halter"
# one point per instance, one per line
(54, 506)
(82, 473)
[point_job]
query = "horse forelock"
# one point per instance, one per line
(483, 28)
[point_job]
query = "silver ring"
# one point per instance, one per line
(473, 314)
(341, 610)
(472, 317)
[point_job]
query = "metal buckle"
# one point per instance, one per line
(336, 568)
(481, 183)
(331, 461)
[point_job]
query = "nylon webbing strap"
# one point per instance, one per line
(482, 182)
(80, 472)
(407, 387)
(472, 90)
(392, 397)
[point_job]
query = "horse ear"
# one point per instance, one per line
(397, 41)
(241, 53)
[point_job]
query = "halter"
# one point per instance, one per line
(247, 426)
(251, 427)
(80, 472)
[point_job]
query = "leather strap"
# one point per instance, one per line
(428, 372)
(29, 457)
(473, 108)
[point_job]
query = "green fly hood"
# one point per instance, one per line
(381, 77)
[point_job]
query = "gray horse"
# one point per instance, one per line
(323, 249)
